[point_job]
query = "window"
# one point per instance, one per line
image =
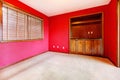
(18, 25)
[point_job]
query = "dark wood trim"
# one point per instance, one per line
(86, 14)
(103, 33)
(118, 33)
(20, 40)
(88, 21)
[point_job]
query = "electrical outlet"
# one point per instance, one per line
(63, 47)
(57, 46)
(53, 46)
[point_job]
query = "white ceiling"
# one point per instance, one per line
(56, 7)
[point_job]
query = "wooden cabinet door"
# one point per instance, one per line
(87, 31)
(94, 30)
(80, 46)
(88, 47)
(73, 46)
(97, 47)
(79, 32)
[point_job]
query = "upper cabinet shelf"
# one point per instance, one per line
(87, 26)
(87, 21)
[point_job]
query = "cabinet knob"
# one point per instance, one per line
(88, 32)
(91, 32)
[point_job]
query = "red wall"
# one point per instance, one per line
(59, 30)
(12, 52)
(111, 36)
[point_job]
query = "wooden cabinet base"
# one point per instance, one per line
(86, 47)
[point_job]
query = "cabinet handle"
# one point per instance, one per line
(91, 32)
(88, 32)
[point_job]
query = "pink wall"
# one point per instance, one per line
(12, 52)
(59, 30)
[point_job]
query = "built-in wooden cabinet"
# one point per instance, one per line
(86, 35)
(86, 46)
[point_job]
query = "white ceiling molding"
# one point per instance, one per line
(56, 7)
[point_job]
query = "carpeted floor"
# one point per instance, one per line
(59, 66)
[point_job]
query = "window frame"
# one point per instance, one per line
(19, 10)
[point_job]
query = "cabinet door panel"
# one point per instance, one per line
(80, 46)
(97, 48)
(87, 31)
(73, 46)
(88, 47)
(95, 30)
(79, 32)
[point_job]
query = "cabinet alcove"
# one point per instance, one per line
(86, 35)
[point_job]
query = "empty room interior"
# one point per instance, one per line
(59, 40)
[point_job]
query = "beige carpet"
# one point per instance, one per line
(59, 66)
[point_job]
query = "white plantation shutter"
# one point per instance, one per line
(5, 27)
(12, 23)
(19, 26)
(35, 28)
